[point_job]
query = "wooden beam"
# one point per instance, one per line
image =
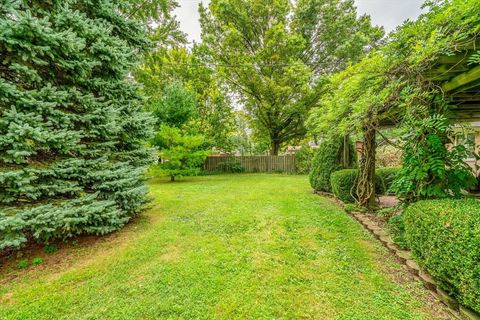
(456, 59)
(446, 71)
(462, 80)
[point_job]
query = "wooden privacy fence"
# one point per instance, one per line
(254, 163)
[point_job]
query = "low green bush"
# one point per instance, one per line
(231, 166)
(444, 236)
(329, 158)
(386, 177)
(343, 183)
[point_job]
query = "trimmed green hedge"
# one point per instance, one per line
(343, 182)
(328, 159)
(444, 236)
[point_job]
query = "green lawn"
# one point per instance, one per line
(223, 247)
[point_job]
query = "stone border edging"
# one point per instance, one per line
(405, 257)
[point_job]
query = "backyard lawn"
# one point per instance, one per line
(223, 247)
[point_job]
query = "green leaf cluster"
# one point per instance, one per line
(433, 167)
(181, 154)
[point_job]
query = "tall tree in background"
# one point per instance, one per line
(214, 115)
(272, 55)
(157, 16)
(72, 126)
(334, 33)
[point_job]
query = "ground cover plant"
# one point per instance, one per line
(223, 247)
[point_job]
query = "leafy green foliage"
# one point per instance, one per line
(396, 226)
(175, 107)
(444, 237)
(386, 178)
(181, 154)
(231, 165)
(23, 264)
(304, 159)
(391, 85)
(37, 261)
(432, 166)
(268, 54)
(329, 158)
(72, 129)
(343, 183)
(181, 67)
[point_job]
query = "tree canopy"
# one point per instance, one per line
(272, 55)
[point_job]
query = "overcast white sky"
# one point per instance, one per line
(386, 13)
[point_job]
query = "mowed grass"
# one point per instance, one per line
(224, 247)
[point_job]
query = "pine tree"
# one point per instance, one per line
(72, 129)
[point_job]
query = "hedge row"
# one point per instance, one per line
(444, 236)
(343, 182)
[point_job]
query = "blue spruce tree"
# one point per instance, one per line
(72, 129)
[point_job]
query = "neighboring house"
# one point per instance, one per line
(291, 150)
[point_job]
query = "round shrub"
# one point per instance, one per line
(444, 236)
(328, 159)
(343, 184)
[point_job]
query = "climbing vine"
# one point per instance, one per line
(392, 87)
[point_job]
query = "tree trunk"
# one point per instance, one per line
(275, 147)
(172, 178)
(346, 151)
(366, 172)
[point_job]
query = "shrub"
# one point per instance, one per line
(50, 248)
(182, 154)
(433, 167)
(328, 159)
(385, 179)
(231, 165)
(343, 184)
(444, 236)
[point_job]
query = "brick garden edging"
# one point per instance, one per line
(405, 257)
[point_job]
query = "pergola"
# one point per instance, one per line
(460, 81)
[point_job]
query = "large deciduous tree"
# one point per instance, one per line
(214, 114)
(272, 54)
(72, 126)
